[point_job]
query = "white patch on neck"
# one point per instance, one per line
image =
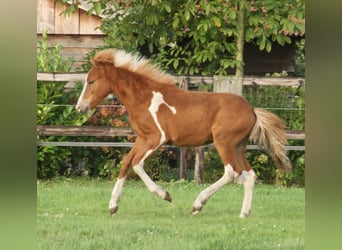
(156, 101)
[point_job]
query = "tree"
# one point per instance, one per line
(197, 37)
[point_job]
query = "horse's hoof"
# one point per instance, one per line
(113, 211)
(244, 215)
(196, 210)
(168, 197)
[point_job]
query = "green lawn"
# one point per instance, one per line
(73, 214)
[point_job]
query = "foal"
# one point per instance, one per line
(160, 113)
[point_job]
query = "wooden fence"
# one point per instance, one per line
(98, 131)
(195, 80)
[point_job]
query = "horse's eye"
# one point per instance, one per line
(91, 82)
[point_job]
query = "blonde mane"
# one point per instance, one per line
(134, 64)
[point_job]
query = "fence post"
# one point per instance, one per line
(230, 84)
(183, 164)
(198, 172)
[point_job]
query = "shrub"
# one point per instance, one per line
(52, 160)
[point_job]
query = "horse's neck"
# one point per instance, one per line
(134, 91)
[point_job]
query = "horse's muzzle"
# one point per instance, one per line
(82, 109)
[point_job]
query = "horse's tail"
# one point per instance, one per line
(268, 132)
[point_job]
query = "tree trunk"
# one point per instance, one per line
(183, 163)
(239, 72)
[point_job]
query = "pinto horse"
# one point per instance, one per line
(160, 113)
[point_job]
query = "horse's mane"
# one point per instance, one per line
(134, 64)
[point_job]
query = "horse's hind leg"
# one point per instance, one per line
(208, 192)
(247, 178)
(229, 158)
(248, 183)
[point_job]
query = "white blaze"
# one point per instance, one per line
(78, 105)
(156, 101)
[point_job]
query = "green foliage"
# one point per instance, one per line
(195, 37)
(213, 166)
(292, 101)
(49, 59)
(273, 21)
(50, 97)
(158, 166)
(300, 58)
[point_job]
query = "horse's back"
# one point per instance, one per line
(199, 113)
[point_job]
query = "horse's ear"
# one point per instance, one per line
(102, 58)
(94, 62)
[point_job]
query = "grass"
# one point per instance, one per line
(73, 214)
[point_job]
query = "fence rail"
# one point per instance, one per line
(248, 80)
(99, 131)
(46, 130)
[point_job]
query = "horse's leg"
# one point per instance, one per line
(138, 167)
(150, 184)
(117, 190)
(228, 154)
(136, 158)
(208, 192)
(247, 178)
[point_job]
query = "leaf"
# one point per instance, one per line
(175, 63)
(187, 15)
(268, 46)
(287, 39)
(98, 8)
(167, 8)
(262, 43)
(280, 40)
(216, 21)
(150, 47)
(175, 23)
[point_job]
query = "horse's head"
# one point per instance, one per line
(96, 86)
(102, 78)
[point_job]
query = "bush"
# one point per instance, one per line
(50, 95)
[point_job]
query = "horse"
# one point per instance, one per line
(161, 113)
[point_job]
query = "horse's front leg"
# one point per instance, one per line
(117, 190)
(136, 158)
(150, 184)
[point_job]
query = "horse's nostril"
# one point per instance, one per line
(83, 110)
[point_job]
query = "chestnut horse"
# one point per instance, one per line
(160, 113)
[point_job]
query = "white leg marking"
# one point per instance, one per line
(116, 193)
(206, 193)
(152, 187)
(248, 179)
(156, 101)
